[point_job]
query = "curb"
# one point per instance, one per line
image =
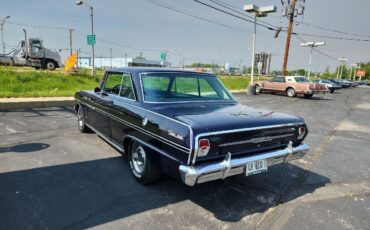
(30, 103)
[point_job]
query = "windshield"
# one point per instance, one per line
(301, 79)
(180, 87)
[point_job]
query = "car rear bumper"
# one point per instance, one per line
(317, 91)
(192, 175)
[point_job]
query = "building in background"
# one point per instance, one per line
(262, 63)
(107, 62)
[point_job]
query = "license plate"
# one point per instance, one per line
(256, 167)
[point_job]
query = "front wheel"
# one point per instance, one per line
(50, 65)
(142, 167)
(290, 92)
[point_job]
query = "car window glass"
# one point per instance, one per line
(301, 79)
(126, 87)
(177, 87)
(113, 83)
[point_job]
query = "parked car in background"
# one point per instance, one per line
(331, 85)
(339, 82)
(364, 82)
(351, 83)
(291, 86)
(187, 125)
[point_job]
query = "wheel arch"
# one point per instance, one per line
(290, 86)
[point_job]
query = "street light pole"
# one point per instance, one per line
(2, 32)
(258, 12)
(311, 45)
(92, 32)
(253, 47)
(340, 72)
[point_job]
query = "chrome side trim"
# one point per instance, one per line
(106, 138)
(237, 130)
(175, 145)
(192, 175)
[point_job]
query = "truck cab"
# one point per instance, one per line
(31, 52)
(36, 55)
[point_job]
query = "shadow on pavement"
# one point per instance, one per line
(25, 148)
(87, 194)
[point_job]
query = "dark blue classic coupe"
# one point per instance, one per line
(187, 125)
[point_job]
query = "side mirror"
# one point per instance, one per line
(97, 90)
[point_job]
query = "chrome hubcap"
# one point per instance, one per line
(290, 92)
(139, 160)
(80, 118)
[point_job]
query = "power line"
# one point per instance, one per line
(230, 7)
(195, 16)
(332, 37)
(38, 26)
(294, 33)
(236, 16)
(334, 30)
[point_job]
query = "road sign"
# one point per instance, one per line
(163, 56)
(360, 73)
(91, 39)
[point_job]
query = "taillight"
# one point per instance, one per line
(204, 147)
(301, 132)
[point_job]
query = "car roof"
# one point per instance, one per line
(139, 70)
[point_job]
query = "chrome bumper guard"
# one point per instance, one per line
(192, 175)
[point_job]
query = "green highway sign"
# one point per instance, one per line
(163, 56)
(91, 39)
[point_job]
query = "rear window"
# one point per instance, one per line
(181, 87)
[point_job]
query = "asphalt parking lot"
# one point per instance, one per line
(53, 177)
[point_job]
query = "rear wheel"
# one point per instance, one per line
(81, 121)
(308, 95)
(258, 89)
(290, 92)
(142, 167)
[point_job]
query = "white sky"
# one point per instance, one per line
(145, 26)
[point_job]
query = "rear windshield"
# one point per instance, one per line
(181, 87)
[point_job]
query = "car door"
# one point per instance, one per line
(122, 109)
(274, 85)
(104, 101)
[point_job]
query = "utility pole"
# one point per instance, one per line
(125, 59)
(290, 28)
(183, 62)
(111, 61)
(70, 41)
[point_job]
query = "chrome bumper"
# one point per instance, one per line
(192, 175)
